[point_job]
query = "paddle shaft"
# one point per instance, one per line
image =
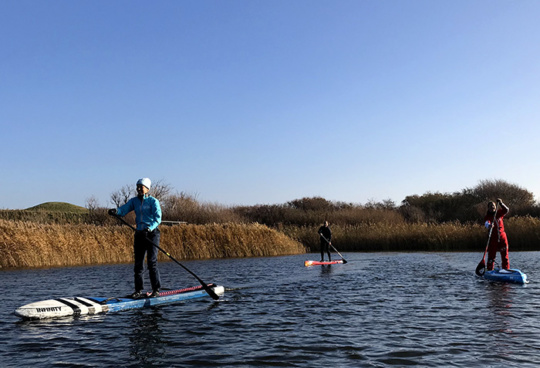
(482, 264)
(329, 243)
(204, 285)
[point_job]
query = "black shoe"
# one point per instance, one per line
(154, 294)
(136, 295)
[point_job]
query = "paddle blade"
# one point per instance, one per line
(344, 260)
(481, 268)
(210, 292)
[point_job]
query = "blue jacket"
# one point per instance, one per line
(147, 212)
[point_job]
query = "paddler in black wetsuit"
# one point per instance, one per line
(325, 235)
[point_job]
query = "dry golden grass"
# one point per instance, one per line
(523, 234)
(36, 244)
(30, 244)
(227, 241)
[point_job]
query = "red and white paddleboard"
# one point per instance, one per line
(318, 263)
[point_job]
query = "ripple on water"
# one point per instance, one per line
(378, 310)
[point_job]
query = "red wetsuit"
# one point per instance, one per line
(498, 241)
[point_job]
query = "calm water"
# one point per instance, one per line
(378, 310)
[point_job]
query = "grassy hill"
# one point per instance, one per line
(58, 207)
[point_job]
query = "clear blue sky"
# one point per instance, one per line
(262, 102)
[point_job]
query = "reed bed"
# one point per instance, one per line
(45, 243)
(229, 240)
(523, 234)
(30, 244)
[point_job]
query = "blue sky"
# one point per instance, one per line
(247, 102)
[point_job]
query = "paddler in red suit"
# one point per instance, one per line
(498, 241)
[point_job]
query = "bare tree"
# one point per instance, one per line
(160, 190)
(178, 204)
(122, 195)
(92, 203)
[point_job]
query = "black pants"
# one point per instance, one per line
(143, 246)
(325, 249)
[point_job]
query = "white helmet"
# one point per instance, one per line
(145, 181)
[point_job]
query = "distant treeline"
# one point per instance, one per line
(465, 207)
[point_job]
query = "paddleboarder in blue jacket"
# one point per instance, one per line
(325, 235)
(148, 217)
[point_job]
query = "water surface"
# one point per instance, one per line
(378, 310)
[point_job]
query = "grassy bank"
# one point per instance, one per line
(523, 235)
(31, 244)
(44, 238)
(46, 217)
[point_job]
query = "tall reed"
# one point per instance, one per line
(523, 234)
(29, 244)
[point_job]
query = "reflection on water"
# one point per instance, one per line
(499, 321)
(326, 270)
(146, 336)
(378, 310)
